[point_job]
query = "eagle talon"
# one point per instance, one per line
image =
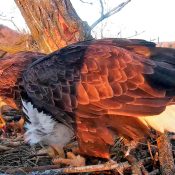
(57, 153)
(72, 160)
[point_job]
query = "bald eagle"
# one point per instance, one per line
(98, 89)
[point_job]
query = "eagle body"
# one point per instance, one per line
(42, 128)
(102, 88)
(98, 89)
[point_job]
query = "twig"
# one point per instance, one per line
(18, 138)
(102, 7)
(10, 20)
(136, 168)
(4, 148)
(110, 13)
(69, 170)
(12, 144)
(149, 149)
(86, 2)
(136, 34)
(142, 164)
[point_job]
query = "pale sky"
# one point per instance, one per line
(151, 18)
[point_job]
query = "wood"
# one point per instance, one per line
(165, 155)
(135, 166)
(53, 23)
(69, 170)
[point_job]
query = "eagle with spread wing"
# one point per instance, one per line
(98, 89)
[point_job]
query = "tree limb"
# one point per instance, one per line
(165, 154)
(55, 169)
(110, 13)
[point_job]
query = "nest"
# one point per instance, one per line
(17, 157)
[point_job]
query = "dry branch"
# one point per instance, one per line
(86, 2)
(69, 170)
(4, 18)
(110, 13)
(135, 166)
(4, 148)
(165, 155)
(102, 7)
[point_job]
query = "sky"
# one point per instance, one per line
(147, 19)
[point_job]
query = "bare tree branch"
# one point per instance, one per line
(136, 34)
(102, 7)
(86, 2)
(4, 18)
(110, 13)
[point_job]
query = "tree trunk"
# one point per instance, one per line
(53, 23)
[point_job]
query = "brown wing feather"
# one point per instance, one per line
(116, 90)
(11, 69)
(107, 79)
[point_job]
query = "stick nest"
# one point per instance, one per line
(16, 155)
